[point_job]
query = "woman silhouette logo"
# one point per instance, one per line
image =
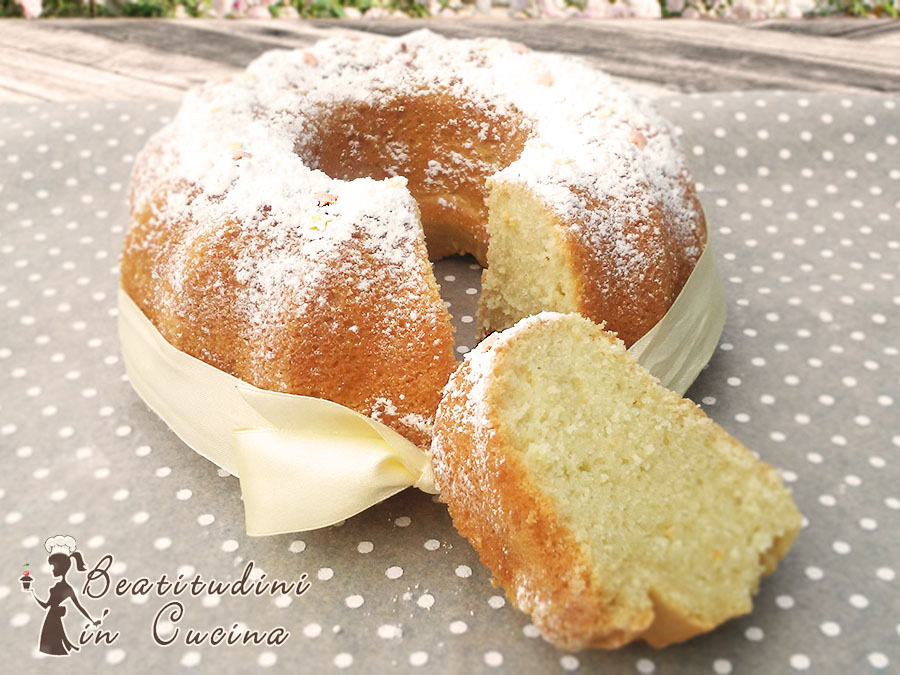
(54, 640)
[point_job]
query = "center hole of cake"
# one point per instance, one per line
(446, 147)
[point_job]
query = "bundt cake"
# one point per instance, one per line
(607, 506)
(277, 221)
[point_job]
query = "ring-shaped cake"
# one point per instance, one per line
(282, 222)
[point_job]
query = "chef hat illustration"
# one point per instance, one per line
(61, 543)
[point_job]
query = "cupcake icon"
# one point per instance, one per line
(26, 580)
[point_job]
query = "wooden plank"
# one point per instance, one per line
(159, 59)
(848, 28)
(59, 79)
(132, 70)
(194, 38)
(13, 94)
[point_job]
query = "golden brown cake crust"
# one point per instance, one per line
(631, 304)
(367, 342)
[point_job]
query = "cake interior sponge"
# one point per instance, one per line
(608, 507)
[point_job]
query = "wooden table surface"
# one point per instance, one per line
(81, 59)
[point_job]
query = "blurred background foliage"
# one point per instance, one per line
(424, 8)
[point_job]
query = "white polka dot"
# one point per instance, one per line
(814, 573)
(365, 547)
(162, 543)
(403, 521)
(393, 572)
(206, 519)
(868, 524)
(800, 662)
(784, 601)
(841, 547)
(531, 631)
(463, 571)
(885, 574)
(569, 662)
(878, 660)
(230, 545)
(190, 659)
(388, 631)
(859, 601)
(722, 666)
(19, 620)
(425, 601)
(458, 627)
(754, 634)
(312, 630)
(267, 659)
(432, 545)
(115, 656)
(354, 601)
(324, 574)
(183, 494)
(343, 660)
(830, 628)
(418, 658)
(493, 659)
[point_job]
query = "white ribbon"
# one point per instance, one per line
(306, 463)
(678, 347)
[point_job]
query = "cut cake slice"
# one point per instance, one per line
(608, 507)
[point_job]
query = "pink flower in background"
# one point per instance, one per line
(221, 7)
(31, 8)
(258, 12)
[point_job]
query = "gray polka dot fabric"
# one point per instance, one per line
(801, 195)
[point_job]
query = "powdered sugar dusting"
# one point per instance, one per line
(469, 385)
(229, 176)
(231, 149)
